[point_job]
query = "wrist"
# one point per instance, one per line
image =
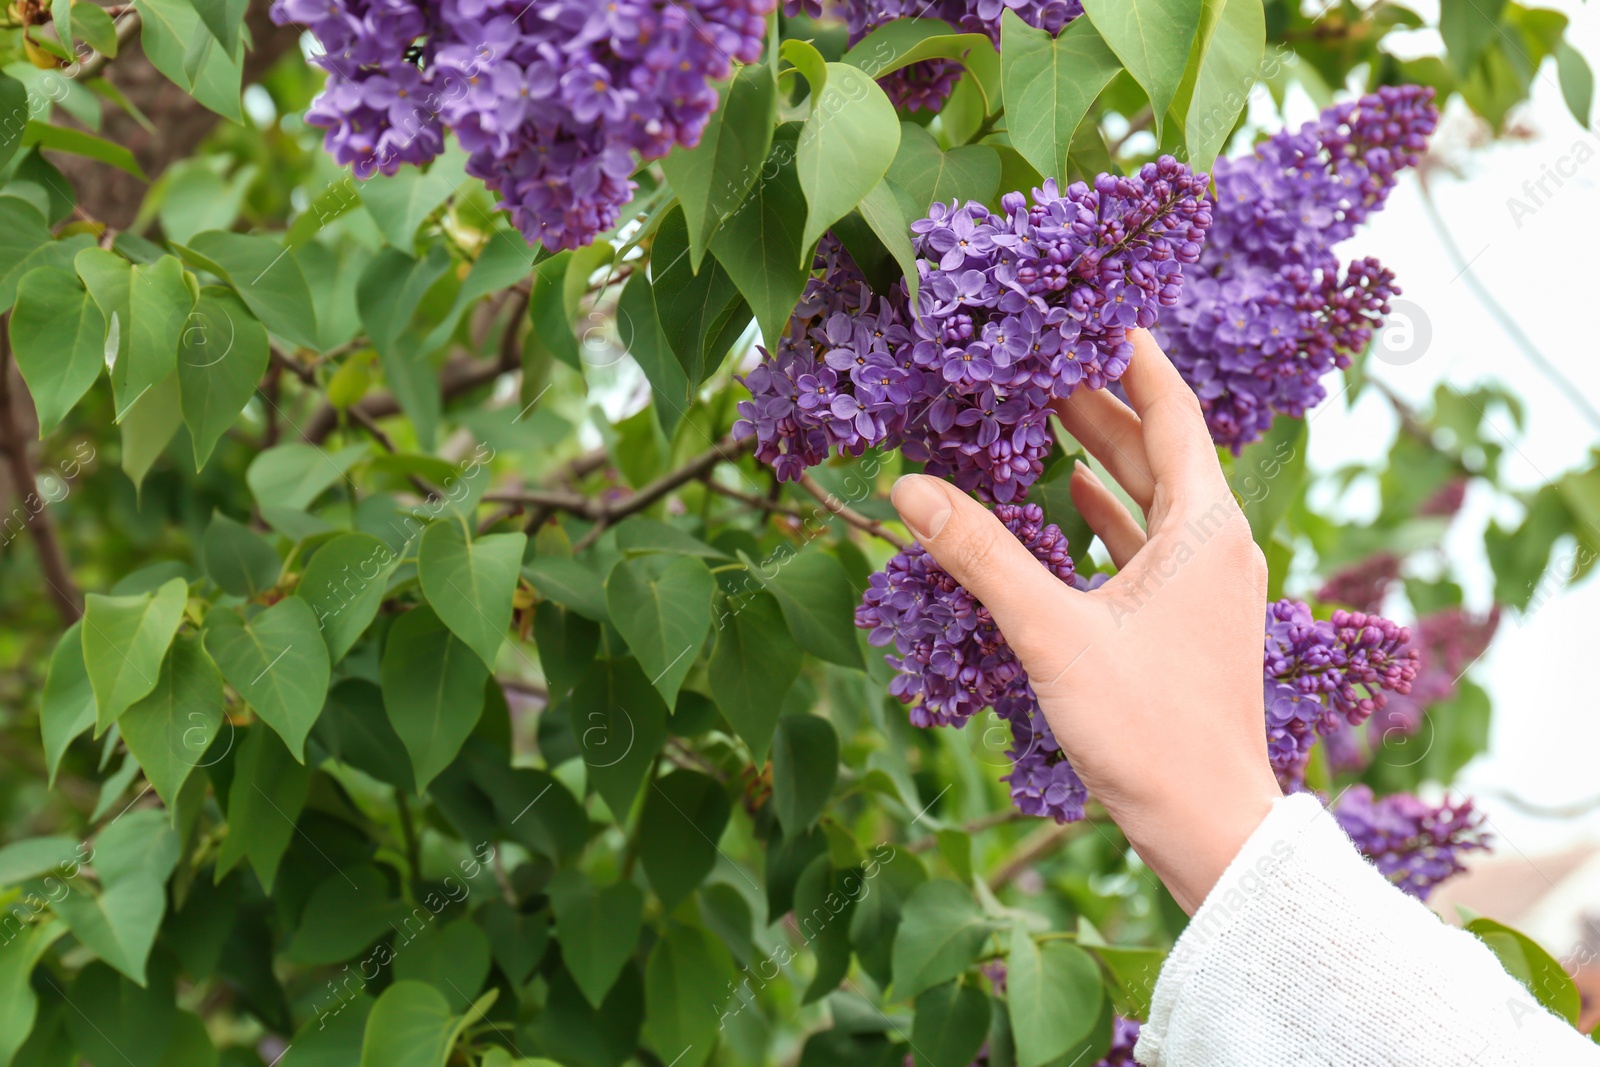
(1189, 840)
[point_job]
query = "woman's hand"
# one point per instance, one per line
(1151, 683)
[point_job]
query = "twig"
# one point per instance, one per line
(127, 27)
(608, 514)
(1409, 421)
(1547, 811)
(987, 822)
(63, 592)
(1035, 847)
(554, 499)
(537, 517)
(369, 424)
(728, 448)
(689, 759)
(458, 376)
(761, 503)
(591, 537)
(269, 390)
(293, 366)
(1138, 123)
(847, 513)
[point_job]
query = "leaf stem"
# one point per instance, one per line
(985, 128)
(408, 830)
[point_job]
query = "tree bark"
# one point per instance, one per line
(108, 195)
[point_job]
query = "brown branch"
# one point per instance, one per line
(369, 424)
(606, 515)
(847, 513)
(293, 366)
(53, 565)
(760, 503)
(986, 822)
(127, 26)
(591, 537)
(553, 499)
(583, 466)
(1035, 847)
(458, 376)
(1141, 121)
(728, 449)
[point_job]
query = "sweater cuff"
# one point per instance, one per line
(1296, 825)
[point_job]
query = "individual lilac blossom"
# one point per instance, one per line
(1416, 845)
(1324, 675)
(929, 83)
(1015, 310)
(1269, 310)
(1124, 1035)
(552, 100)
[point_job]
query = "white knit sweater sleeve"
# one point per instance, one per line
(1303, 954)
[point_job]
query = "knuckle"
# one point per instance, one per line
(1257, 563)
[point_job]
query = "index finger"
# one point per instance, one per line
(1176, 440)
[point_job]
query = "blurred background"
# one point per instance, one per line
(1465, 226)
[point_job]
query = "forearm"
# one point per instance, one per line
(1303, 953)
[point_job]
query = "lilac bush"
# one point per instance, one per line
(551, 99)
(1016, 310)
(1269, 310)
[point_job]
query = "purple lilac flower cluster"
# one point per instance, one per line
(1015, 310)
(1448, 642)
(1269, 310)
(1362, 585)
(953, 662)
(551, 98)
(1322, 675)
(1446, 501)
(1415, 844)
(928, 84)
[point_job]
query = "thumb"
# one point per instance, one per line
(969, 542)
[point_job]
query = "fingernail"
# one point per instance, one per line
(922, 504)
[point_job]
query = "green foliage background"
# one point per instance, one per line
(400, 663)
